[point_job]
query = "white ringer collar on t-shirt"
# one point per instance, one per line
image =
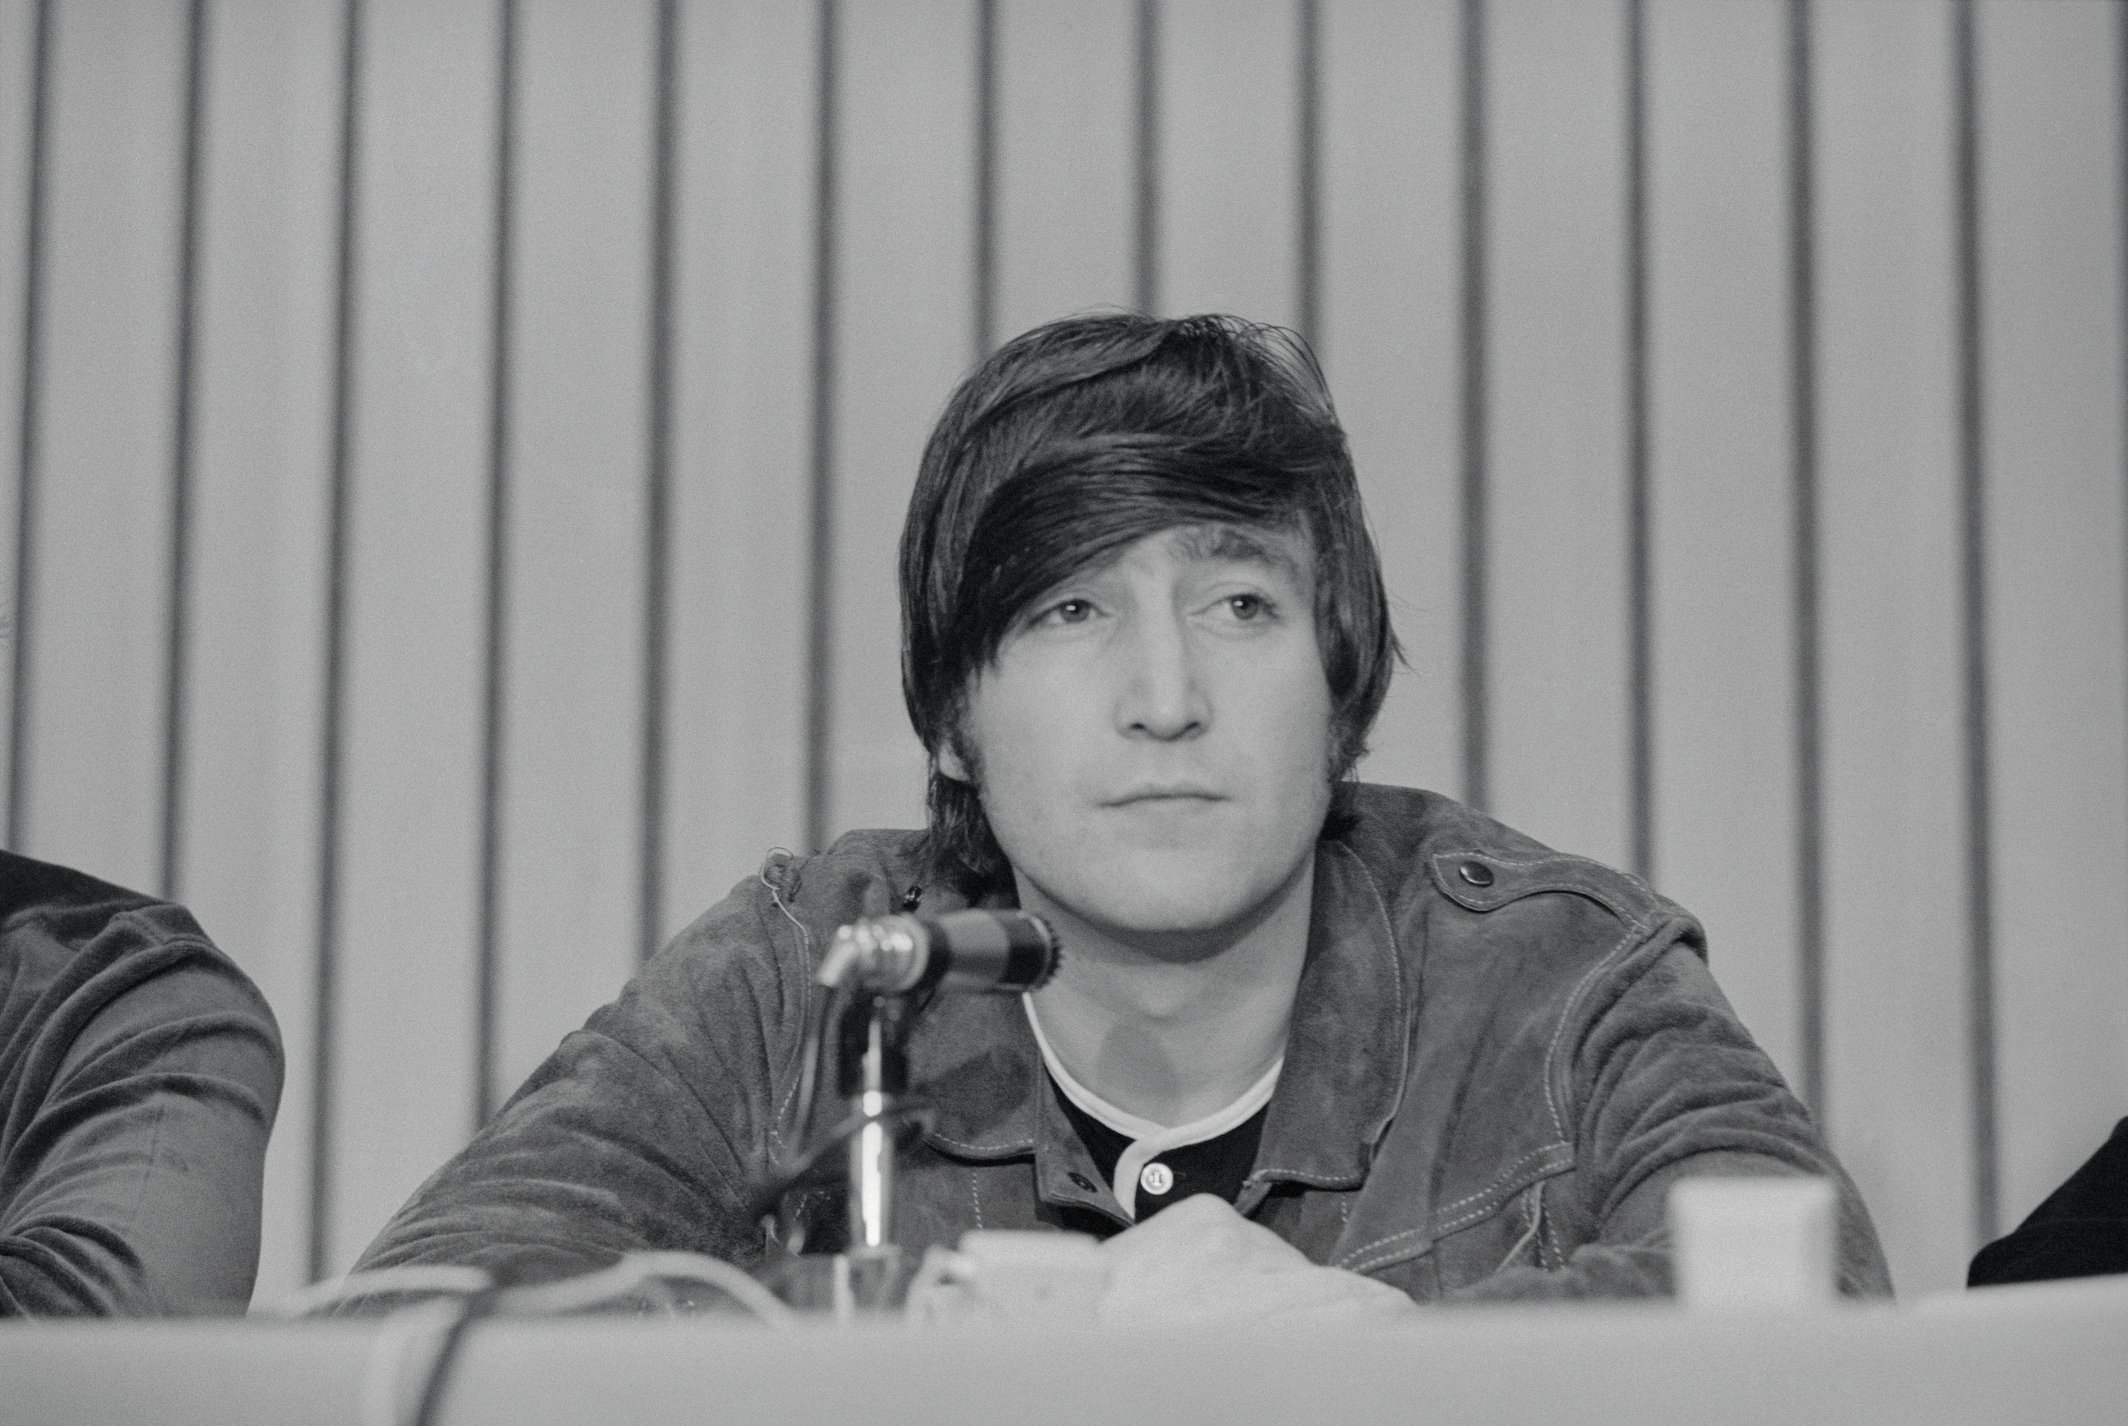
(1148, 1140)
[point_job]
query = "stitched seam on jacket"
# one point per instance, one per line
(1011, 1148)
(805, 1007)
(1503, 1176)
(1500, 1194)
(1381, 912)
(1496, 1191)
(1352, 1261)
(1396, 970)
(1436, 1233)
(1592, 893)
(1313, 1180)
(1635, 933)
(975, 1195)
(1531, 1209)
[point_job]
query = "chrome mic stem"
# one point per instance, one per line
(871, 1148)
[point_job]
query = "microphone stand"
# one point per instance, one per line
(877, 971)
(878, 1097)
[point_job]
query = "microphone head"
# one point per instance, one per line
(973, 950)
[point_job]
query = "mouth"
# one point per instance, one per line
(1159, 794)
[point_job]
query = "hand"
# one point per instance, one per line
(1201, 1262)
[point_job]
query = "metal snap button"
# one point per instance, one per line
(1156, 1178)
(1476, 873)
(1083, 1181)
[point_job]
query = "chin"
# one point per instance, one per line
(1180, 897)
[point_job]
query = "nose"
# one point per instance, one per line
(1160, 690)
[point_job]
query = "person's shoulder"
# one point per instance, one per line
(874, 872)
(75, 949)
(52, 914)
(749, 960)
(1421, 845)
(803, 898)
(68, 903)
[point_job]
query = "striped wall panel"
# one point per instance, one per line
(1893, 852)
(453, 455)
(264, 359)
(2050, 453)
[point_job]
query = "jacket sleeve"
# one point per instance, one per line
(131, 1171)
(644, 1130)
(1666, 1083)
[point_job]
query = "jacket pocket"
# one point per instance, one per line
(1469, 1228)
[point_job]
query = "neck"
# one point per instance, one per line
(1174, 1038)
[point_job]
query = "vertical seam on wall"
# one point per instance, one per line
(1639, 633)
(819, 627)
(26, 453)
(657, 481)
(487, 972)
(1803, 415)
(336, 561)
(984, 315)
(2120, 101)
(178, 614)
(1307, 205)
(1474, 682)
(1980, 968)
(1145, 211)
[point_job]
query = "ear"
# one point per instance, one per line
(949, 763)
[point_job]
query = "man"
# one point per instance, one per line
(1372, 1046)
(139, 1074)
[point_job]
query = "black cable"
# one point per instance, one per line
(908, 1118)
(474, 1307)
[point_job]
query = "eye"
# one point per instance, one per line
(1066, 611)
(1246, 607)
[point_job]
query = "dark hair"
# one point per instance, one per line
(1081, 436)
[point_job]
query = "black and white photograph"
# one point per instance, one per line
(960, 710)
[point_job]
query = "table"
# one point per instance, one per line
(2053, 1353)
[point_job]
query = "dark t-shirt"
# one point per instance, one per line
(139, 1073)
(1216, 1166)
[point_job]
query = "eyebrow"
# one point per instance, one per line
(1236, 542)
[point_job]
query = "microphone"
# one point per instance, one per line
(972, 950)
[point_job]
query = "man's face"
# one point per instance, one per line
(1153, 739)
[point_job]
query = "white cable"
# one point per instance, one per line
(635, 1269)
(418, 1331)
(573, 1294)
(463, 1281)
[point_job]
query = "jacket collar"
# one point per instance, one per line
(1346, 1051)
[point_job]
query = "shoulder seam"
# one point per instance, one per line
(805, 1004)
(1588, 889)
(1638, 934)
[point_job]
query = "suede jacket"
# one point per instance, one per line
(1499, 1059)
(139, 1074)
